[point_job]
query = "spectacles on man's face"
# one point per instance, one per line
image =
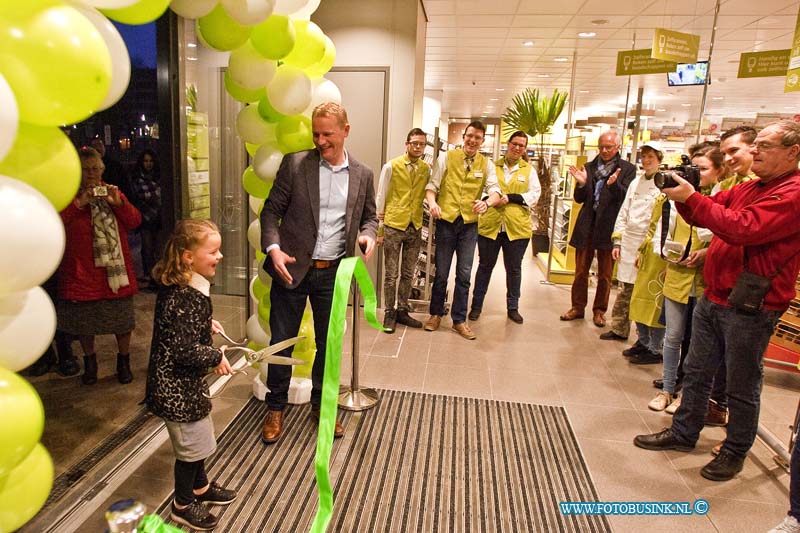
(518, 145)
(607, 147)
(415, 144)
(763, 146)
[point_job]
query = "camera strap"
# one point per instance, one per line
(665, 213)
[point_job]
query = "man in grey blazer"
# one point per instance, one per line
(322, 203)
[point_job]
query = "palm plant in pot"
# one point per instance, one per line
(535, 115)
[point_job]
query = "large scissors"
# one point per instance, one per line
(251, 357)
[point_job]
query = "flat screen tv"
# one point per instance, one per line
(688, 74)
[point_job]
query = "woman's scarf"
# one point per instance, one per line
(106, 247)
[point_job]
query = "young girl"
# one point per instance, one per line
(180, 355)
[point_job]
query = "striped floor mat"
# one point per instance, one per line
(415, 462)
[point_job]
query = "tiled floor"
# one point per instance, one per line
(543, 361)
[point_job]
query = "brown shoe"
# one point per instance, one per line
(433, 323)
(599, 319)
(716, 415)
(463, 330)
(338, 430)
(572, 314)
(273, 427)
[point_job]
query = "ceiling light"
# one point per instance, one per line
(527, 43)
(599, 22)
(493, 99)
(560, 59)
(584, 92)
(686, 105)
(543, 75)
(587, 34)
(718, 98)
(500, 89)
(661, 110)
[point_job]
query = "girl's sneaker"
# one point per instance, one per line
(671, 408)
(195, 515)
(661, 401)
(216, 495)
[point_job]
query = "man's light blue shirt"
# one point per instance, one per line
(333, 187)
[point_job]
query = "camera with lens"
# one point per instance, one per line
(100, 191)
(665, 179)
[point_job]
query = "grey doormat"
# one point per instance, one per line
(415, 462)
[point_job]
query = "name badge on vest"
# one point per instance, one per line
(477, 174)
(521, 178)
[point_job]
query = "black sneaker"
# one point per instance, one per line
(474, 314)
(40, 367)
(637, 348)
(723, 467)
(195, 515)
(663, 440)
(646, 358)
(389, 321)
(68, 366)
(405, 319)
(514, 315)
(216, 495)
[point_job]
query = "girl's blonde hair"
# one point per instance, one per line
(187, 235)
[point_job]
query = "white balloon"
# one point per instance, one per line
(252, 128)
(107, 4)
(266, 162)
(192, 9)
(32, 239)
(255, 203)
(306, 11)
(255, 332)
(325, 91)
(287, 7)
(27, 326)
(289, 91)
(249, 69)
(254, 234)
(120, 61)
(9, 118)
(249, 12)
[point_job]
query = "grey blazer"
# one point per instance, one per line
(290, 216)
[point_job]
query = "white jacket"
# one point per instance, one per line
(632, 223)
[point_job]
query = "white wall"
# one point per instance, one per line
(381, 33)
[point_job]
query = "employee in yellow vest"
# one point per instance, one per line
(401, 190)
(460, 179)
(507, 226)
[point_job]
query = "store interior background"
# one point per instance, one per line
(438, 63)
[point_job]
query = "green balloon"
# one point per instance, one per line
(54, 60)
(260, 256)
(241, 94)
(268, 112)
(275, 37)
(321, 67)
(259, 289)
(254, 185)
(22, 421)
(264, 309)
(294, 134)
(45, 158)
(25, 489)
(310, 45)
(220, 31)
(251, 148)
(141, 12)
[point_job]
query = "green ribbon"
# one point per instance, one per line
(348, 268)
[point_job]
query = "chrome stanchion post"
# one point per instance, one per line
(354, 398)
(547, 281)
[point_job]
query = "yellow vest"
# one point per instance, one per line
(731, 182)
(460, 188)
(681, 282)
(405, 194)
(516, 217)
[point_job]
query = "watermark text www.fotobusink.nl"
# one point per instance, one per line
(698, 507)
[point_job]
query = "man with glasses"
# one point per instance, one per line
(756, 228)
(455, 192)
(600, 186)
(401, 190)
(507, 226)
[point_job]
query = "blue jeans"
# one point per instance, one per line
(677, 316)
(488, 250)
(721, 332)
(652, 338)
(458, 238)
(794, 482)
(284, 321)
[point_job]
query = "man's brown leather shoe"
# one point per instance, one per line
(599, 320)
(338, 430)
(572, 314)
(463, 330)
(273, 427)
(433, 323)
